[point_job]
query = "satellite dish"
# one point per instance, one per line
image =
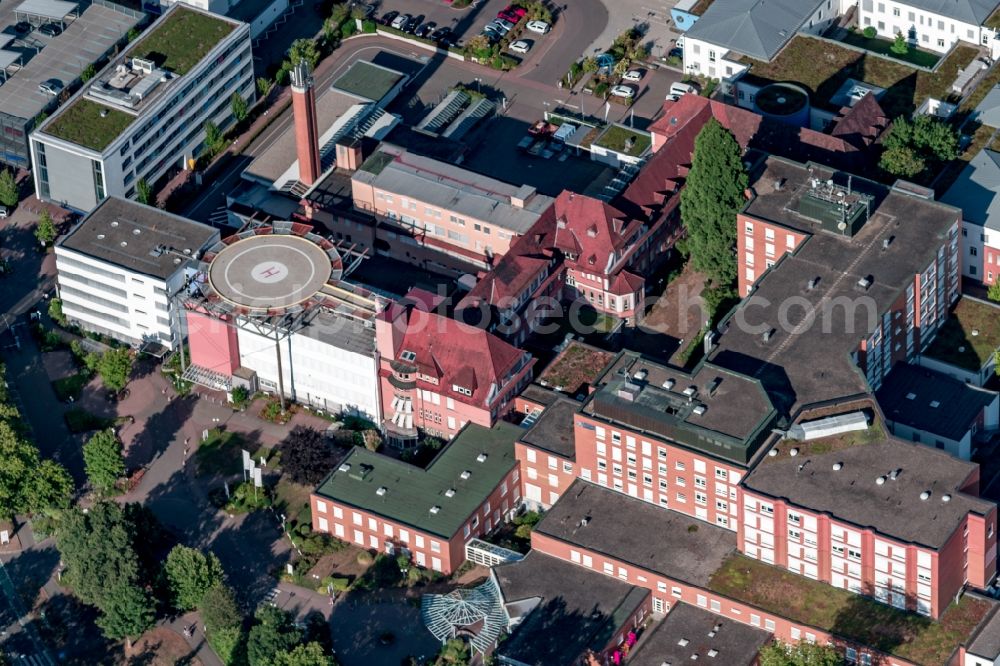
(841, 225)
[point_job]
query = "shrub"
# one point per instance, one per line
(869, 32)
(364, 558)
(369, 26)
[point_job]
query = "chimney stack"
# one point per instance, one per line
(304, 115)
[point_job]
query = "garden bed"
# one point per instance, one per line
(914, 56)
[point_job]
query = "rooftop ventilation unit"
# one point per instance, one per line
(641, 375)
(691, 391)
(450, 492)
(682, 642)
(345, 467)
(669, 384)
(700, 409)
(766, 335)
(793, 452)
(837, 466)
(713, 653)
(894, 474)
(926, 495)
(465, 475)
(481, 458)
(713, 385)
(946, 497)
(865, 283)
(772, 452)
(880, 481)
(382, 490)
(812, 283)
(435, 509)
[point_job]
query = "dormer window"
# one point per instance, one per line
(407, 355)
(461, 389)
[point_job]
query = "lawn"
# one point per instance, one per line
(80, 420)
(70, 388)
(180, 41)
(884, 46)
(221, 453)
(822, 67)
(617, 138)
(907, 635)
(823, 445)
(577, 365)
(955, 342)
(81, 122)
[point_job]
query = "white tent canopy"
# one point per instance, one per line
(52, 10)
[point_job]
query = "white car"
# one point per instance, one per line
(541, 27)
(520, 46)
(634, 75)
(673, 98)
(400, 21)
(682, 89)
(623, 91)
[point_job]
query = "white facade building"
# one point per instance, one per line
(119, 269)
(145, 113)
(925, 27)
(330, 364)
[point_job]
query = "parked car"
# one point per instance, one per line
(443, 36)
(388, 17)
(679, 88)
(492, 34)
(519, 12)
(672, 98)
(520, 46)
(633, 75)
(541, 27)
(505, 24)
(627, 92)
(413, 24)
(51, 87)
(426, 29)
(401, 21)
(22, 28)
(51, 30)
(507, 16)
(676, 52)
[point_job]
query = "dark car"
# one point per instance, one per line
(443, 36)
(676, 52)
(51, 30)
(22, 28)
(388, 17)
(426, 29)
(413, 24)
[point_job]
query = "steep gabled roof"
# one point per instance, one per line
(756, 28)
(862, 124)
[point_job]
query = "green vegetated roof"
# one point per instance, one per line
(82, 123)
(181, 39)
(955, 341)
(914, 637)
(366, 80)
(616, 137)
(411, 492)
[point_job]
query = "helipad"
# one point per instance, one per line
(270, 272)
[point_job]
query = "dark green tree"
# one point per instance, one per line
(309, 654)
(914, 146)
(306, 455)
(454, 652)
(28, 484)
(45, 230)
(304, 49)
(50, 488)
(88, 73)
(900, 45)
(273, 633)
(114, 366)
(214, 138)
(127, 611)
(800, 654)
(143, 192)
(712, 196)
(56, 311)
(224, 622)
(239, 106)
(190, 575)
(8, 188)
(103, 460)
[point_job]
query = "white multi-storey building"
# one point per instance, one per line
(146, 112)
(930, 24)
(121, 266)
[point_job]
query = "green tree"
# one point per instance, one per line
(900, 45)
(190, 575)
(993, 293)
(710, 200)
(478, 47)
(800, 654)
(103, 460)
(8, 188)
(56, 311)
(309, 654)
(143, 192)
(88, 73)
(215, 140)
(50, 488)
(45, 230)
(304, 49)
(114, 366)
(913, 146)
(454, 652)
(239, 107)
(263, 86)
(223, 621)
(272, 634)
(133, 34)
(127, 611)
(590, 64)
(18, 461)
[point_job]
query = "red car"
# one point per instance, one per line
(512, 14)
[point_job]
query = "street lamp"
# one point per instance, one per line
(478, 89)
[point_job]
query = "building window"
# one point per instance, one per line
(98, 180)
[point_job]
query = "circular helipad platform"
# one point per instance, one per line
(270, 271)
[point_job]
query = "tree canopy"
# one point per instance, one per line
(45, 230)
(306, 455)
(8, 188)
(27, 483)
(913, 146)
(190, 575)
(993, 293)
(710, 200)
(273, 633)
(304, 49)
(114, 366)
(103, 460)
(800, 654)
(309, 654)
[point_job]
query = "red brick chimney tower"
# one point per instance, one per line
(304, 114)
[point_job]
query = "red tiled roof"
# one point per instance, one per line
(863, 123)
(454, 353)
(626, 283)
